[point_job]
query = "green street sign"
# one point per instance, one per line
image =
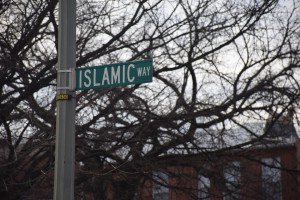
(116, 74)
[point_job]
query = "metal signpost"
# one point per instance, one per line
(116, 74)
(66, 103)
(84, 78)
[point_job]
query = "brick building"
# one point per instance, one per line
(266, 170)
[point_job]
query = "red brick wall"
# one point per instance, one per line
(183, 179)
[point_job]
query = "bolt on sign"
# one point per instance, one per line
(116, 74)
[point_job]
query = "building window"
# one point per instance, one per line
(160, 186)
(203, 187)
(271, 179)
(232, 177)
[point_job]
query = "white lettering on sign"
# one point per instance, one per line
(144, 71)
(95, 79)
(80, 79)
(86, 75)
(112, 75)
(130, 79)
(148, 69)
(105, 77)
(115, 75)
(123, 74)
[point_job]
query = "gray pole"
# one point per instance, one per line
(66, 103)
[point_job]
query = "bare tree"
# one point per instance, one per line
(217, 65)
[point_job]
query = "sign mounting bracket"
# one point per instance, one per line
(72, 79)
